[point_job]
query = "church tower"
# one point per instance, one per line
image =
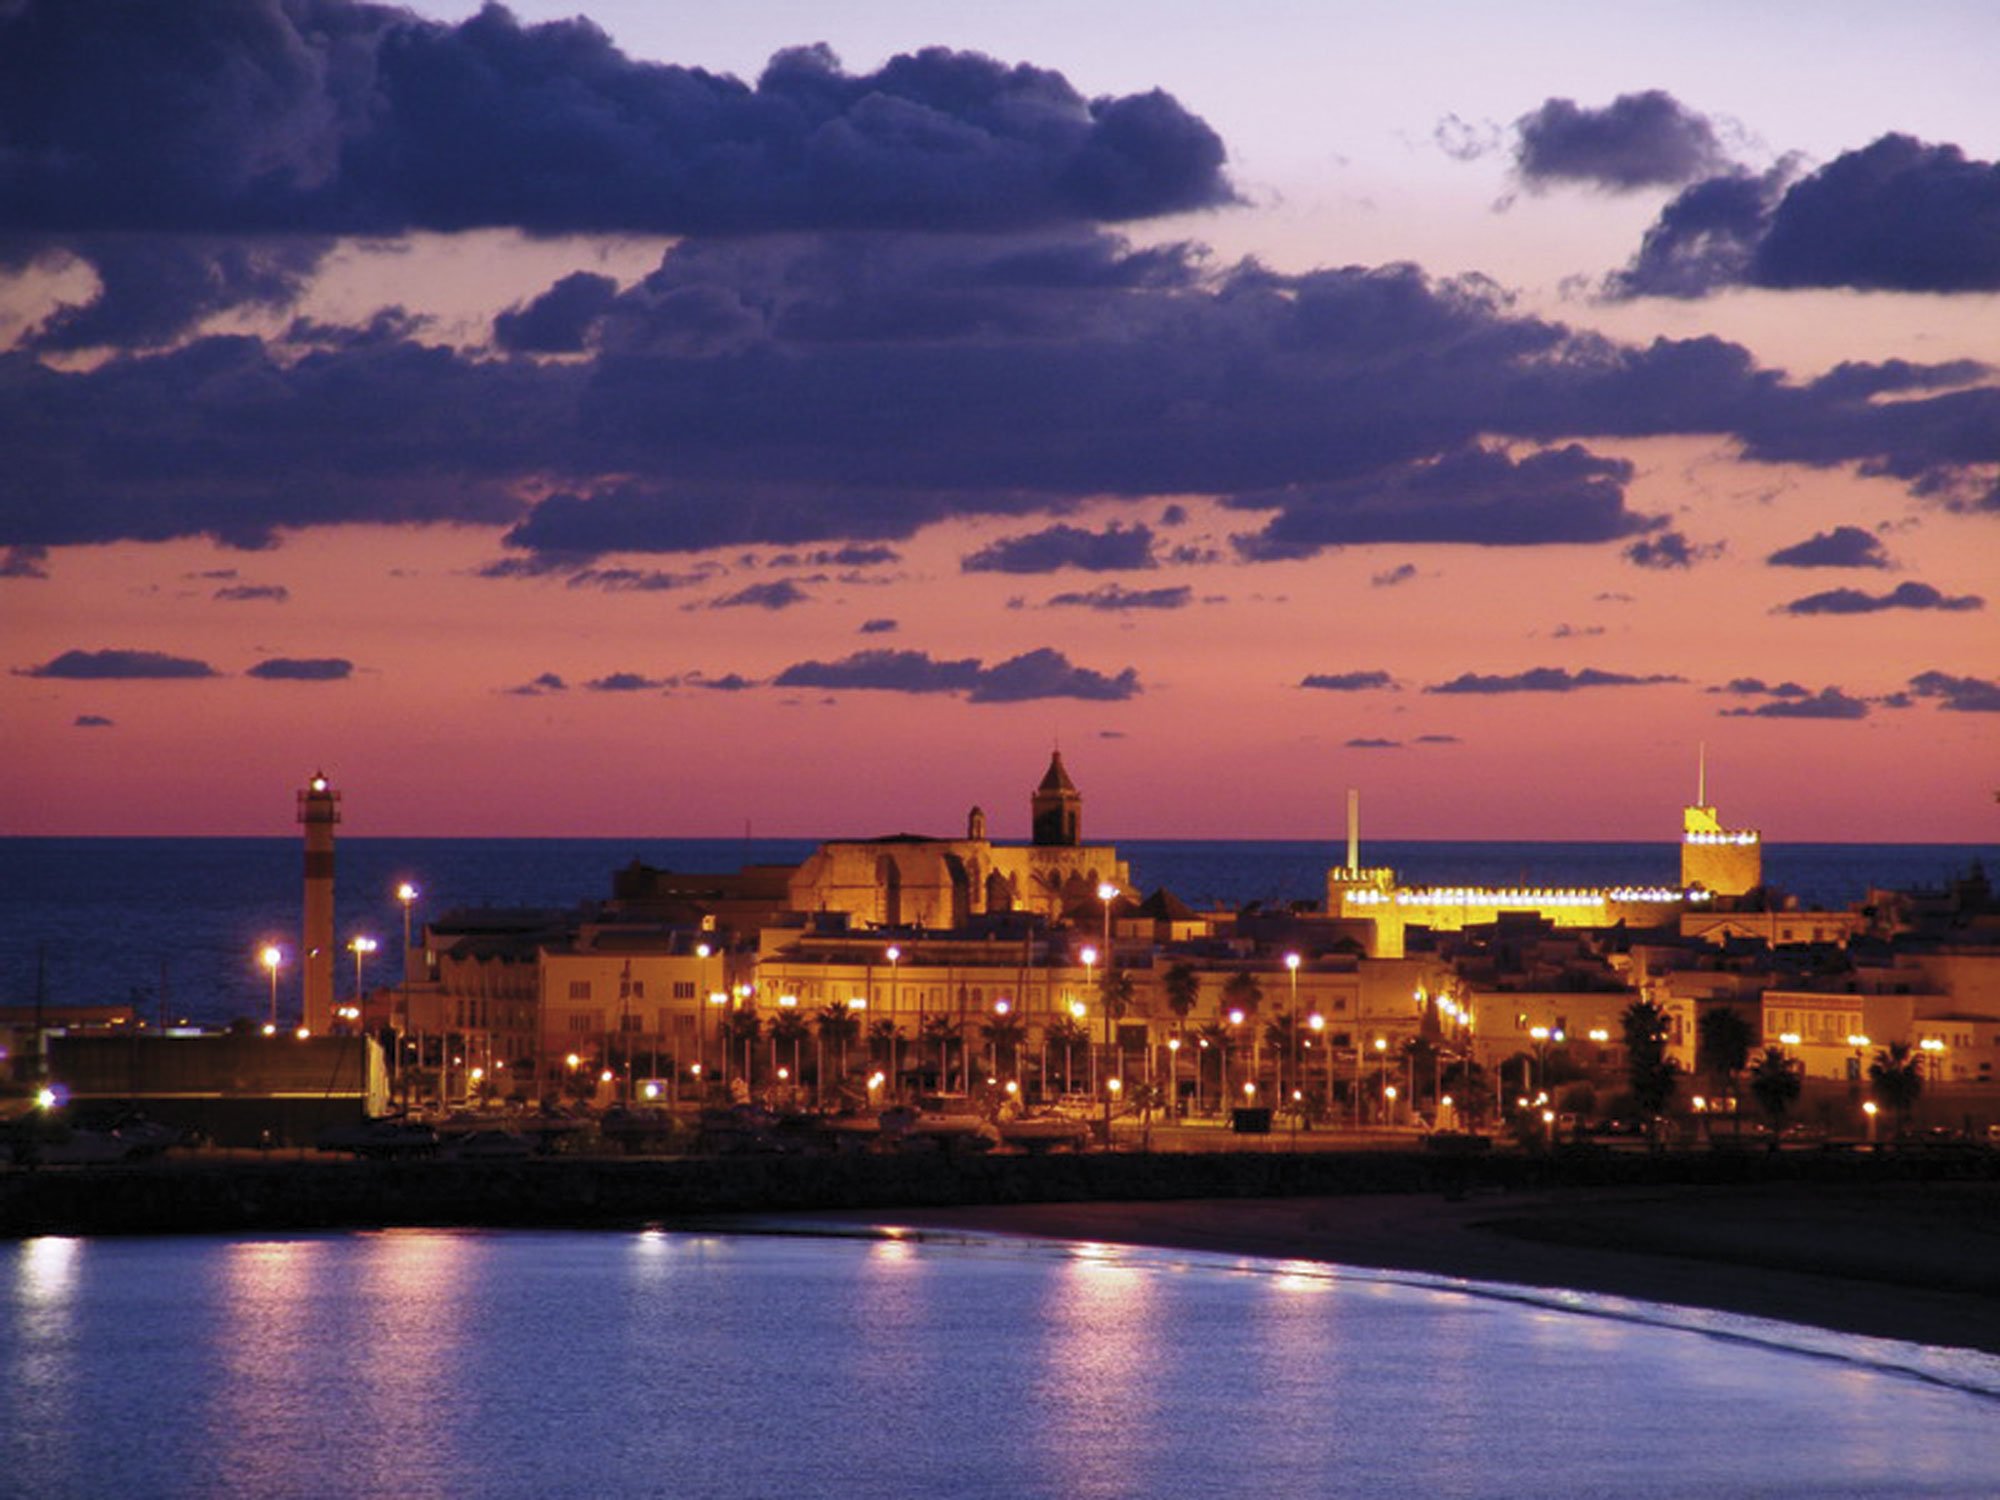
(1058, 808)
(319, 810)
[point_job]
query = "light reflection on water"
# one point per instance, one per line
(420, 1363)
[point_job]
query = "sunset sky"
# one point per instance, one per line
(806, 415)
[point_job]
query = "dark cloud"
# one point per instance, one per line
(1902, 596)
(729, 682)
(1668, 550)
(152, 289)
(839, 557)
(1473, 494)
(386, 325)
(632, 580)
(859, 401)
(1575, 632)
(116, 664)
(1348, 682)
(560, 320)
(337, 117)
(92, 721)
(1842, 547)
(24, 562)
(1548, 680)
(1636, 141)
(1438, 739)
(626, 682)
(1115, 549)
(248, 593)
(547, 682)
(1749, 687)
(1373, 744)
(779, 594)
(1042, 673)
(878, 627)
(1827, 703)
(1896, 215)
(1388, 578)
(1972, 695)
(303, 669)
(1116, 597)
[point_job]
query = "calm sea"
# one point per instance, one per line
(176, 924)
(423, 1363)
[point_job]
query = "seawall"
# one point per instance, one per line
(290, 1194)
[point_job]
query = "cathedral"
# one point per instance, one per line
(910, 880)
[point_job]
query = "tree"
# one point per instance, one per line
(1896, 1079)
(1776, 1079)
(1068, 1033)
(942, 1031)
(1723, 1039)
(1651, 1072)
(1242, 992)
(841, 1025)
(1182, 984)
(789, 1028)
(1003, 1035)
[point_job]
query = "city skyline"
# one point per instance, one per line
(653, 430)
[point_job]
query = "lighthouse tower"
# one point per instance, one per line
(319, 810)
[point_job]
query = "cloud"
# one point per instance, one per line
(1548, 680)
(245, 593)
(1348, 682)
(92, 721)
(546, 682)
(117, 664)
(303, 669)
(1115, 549)
(1438, 739)
(626, 682)
(1902, 596)
(1971, 695)
(625, 580)
(871, 556)
(1116, 597)
(1473, 494)
(1668, 550)
(1743, 687)
(560, 320)
(1842, 547)
(871, 386)
(24, 562)
(780, 594)
(1895, 215)
(1388, 578)
(1575, 632)
(1827, 703)
(1640, 140)
(152, 289)
(346, 118)
(1373, 744)
(729, 682)
(1042, 673)
(878, 627)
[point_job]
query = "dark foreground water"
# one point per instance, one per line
(426, 1363)
(175, 925)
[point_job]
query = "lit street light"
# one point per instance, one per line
(362, 946)
(271, 958)
(1292, 970)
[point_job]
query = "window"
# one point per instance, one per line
(583, 1022)
(579, 989)
(684, 989)
(638, 989)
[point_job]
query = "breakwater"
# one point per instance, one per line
(290, 1194)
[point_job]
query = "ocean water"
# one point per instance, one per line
(175, 924)
(427, 1363)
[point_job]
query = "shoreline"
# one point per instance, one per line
(1918, 1266)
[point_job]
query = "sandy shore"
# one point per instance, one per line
(1904, 1261)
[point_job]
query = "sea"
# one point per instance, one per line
(880, 1363)
(174, 925)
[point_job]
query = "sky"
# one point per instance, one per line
(803, 417)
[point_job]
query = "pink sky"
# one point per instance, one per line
(1874, 720)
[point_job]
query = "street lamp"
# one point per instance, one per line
(362, 946)
(895, 955)
(407, 895)
(271, 958)
(701, 952)
(1292, 970)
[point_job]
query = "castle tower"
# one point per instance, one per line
(1057, 808)
(975, 825)
(1722, 861)
(319, 810)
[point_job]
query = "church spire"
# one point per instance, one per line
(1057, 807)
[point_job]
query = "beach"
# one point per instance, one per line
(1918, 1262)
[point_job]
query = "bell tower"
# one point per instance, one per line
(1057, 808)
(319, 810)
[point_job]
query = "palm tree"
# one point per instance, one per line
(1282, 1034)
(942, 1030)
(1652, 1073)
(885, 1038)
(1896, 1078)
(788, 1026)
(1182, 984)
(840, 1025)
(1242, 992)
(1723, 1039)
(1217, 1037)
(1114, 994)
(742, 1028)
(1776, 1080)
(1005, 1033)
(1068, 1033)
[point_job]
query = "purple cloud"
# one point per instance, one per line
(1116, 549)
(1042, 673)
(1969, 695)
(1115, 597)
(1373, 744)
(1548, 680)
(118, 664)
(781, 594)
(303, 669)
(1348, 682)
(626, 682)
(1636, 141)
(246, 593)
(92, 721)
(1902, 596)
(1667, 550)
(1827, 703)
(1842, 547)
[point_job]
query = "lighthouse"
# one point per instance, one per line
(319, 810)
